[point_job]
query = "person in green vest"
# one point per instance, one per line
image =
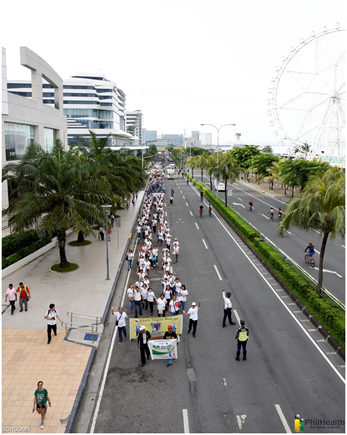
(40, 400)
(242, 337)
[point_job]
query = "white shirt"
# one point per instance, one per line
(51, 314)
(121, 318)
(184, 294)
(193, 313)
(227, 302)
(137, 296)
(172, 307)
(161, 304)
(130, 292)
(150, 296)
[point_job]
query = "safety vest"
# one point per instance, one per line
(21, 289)
(243, 334)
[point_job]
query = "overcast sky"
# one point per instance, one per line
(182, 63)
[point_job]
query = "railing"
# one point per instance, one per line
(308, 278)
(91, 323)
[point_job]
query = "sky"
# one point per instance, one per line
(182, 63)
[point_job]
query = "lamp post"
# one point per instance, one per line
(107, 209)
(233, 125)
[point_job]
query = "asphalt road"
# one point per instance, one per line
(295, 241)
(287, 372)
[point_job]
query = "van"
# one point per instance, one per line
(219, 186)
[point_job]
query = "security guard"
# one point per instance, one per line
(242, 336)
(227, 309)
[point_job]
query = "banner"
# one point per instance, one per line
(163, 349)
(156, 326)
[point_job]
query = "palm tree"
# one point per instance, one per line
(61, 190)
(275, 173)
(201, 163)
(322, 205)
(211, 166)
(227, 170)
(192, 164)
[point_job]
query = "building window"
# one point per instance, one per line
(18, 137)
(49, 140)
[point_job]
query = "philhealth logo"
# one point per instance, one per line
(298, 423)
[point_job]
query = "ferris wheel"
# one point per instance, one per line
(308, 95)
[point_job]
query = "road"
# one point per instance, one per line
(295, 240)
(288, 371)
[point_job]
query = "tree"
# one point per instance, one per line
(274, 174)
(211, 167)
(267, 149)
(302, 149)
(322, 206)
(243, 155)
(295, 173)
(227, 170)
(201, 163)
(60, 191)
(261, 163)
(191, 163)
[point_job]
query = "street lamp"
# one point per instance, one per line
(107, 208)
(233, 125)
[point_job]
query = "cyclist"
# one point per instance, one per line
(279, 213)
(202, 195)
(271, 213)
(187, 181)
(172, 192)
(310, 249)
(201, 210)
(210, 209)
(250, 203)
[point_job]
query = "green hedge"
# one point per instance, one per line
(24, 252)
(332, 319)
(14, 242)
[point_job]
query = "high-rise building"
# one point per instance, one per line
(149, 135)
(206, 138)
(196, 138)
(174, 139)
(133, 123)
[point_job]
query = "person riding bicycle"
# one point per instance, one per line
(172, 192)
(310, 249)
(279, 213)
(271, 212)
(187, 181)
(209, 209)
(250, 203)
(202, 195)
(201, 209)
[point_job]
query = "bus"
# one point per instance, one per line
(170, 173)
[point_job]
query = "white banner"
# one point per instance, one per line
(163, 349)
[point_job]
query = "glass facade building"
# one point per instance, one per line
(18, 137)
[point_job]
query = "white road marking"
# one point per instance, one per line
(240, 420)
(283, 303)
(185, 421)
(236, 203)
(240, 199)
(237, 316)
(343, 246)
(196, 225)
(187, 204)
(288, 232)
(204, 243)
(184, 197)
(330, 271)
(267, 217)
(224, 382)
(191, 213)
(217, 271)
(283, 419)
(166, 213)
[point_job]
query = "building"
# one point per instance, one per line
(206, 139)
(91, 102)
(174, 139)
(28, 120)
(149, 135)
(196, 138)
(133, 124)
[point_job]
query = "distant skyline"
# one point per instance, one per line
(182, 63)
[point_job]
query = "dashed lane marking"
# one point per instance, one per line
(240, 420)
(185, 421)
(196, 225)
(283, 419)
(204, 243)
(191, 213)
(217, 271)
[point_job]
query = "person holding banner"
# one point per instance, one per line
(170, 335)
(142, 343)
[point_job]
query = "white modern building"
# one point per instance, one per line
(133, 123)
(29, 120)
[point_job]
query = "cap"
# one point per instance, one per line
(169, 327)
(142, 327)
(228, 295)
(193, 303)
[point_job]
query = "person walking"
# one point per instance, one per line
(109, 234)
(227, 309)
(242, 337)
(51, 317)
(138, 301)
(101, 233)
(40, 400)
(170, 335)
(12, 297)
(130, 293)
(142, 343)
(193, 317)
(121, 317)
(161, 303)
(130, 257)
(24, 296)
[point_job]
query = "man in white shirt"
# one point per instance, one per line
(121, 318)
(138, 301)
(227, 308)
(193, 319)
(51, 317)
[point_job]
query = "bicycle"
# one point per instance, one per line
(312, 263)
(279, 217)
(250, 207)
(210, 211)
(271, 216)
(202, 197)
(201, 211)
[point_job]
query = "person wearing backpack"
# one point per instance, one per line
(24, 296)
(51, 317)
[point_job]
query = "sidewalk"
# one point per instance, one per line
(277, 192)
(26, 357)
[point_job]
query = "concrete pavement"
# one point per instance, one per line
(26, 357)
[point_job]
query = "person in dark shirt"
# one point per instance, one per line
(170, 334)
